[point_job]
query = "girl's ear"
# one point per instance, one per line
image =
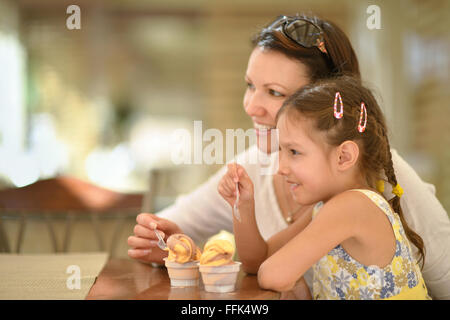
(348, 153)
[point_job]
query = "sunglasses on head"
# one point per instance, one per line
(300, 30)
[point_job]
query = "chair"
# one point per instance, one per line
(68, 198)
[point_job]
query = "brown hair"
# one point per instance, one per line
(315, 101)
(341, 58)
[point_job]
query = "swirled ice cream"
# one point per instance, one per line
(219, 272)
(217, 252)
(182, 249)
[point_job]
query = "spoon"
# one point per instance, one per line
(236, 213)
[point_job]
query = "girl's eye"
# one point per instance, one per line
(249, 85)
(294, 152)
(275, 93)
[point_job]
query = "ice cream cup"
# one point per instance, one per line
(183, 274)
(220, 278)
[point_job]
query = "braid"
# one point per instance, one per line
(379, 158)
(395, 204)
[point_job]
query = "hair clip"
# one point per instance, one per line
(321, 46)
(380, 186)
(362, 128)
(398, 191)
(340, 114)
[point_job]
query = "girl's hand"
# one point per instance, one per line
(227, 185)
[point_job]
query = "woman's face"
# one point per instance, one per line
(271, 77)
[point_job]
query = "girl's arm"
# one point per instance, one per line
(299, 292)
(336, 222)
(250, 245)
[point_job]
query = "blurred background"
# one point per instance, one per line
(100, 103)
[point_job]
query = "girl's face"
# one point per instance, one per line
(306, 160)
(271, 77)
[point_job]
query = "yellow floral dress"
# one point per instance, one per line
(338, 276)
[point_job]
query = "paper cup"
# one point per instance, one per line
(183, 274)
(220, 278)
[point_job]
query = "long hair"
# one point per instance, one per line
(315, 101)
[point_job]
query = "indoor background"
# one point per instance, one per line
(100, 103)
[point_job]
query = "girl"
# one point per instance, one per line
(336, 154)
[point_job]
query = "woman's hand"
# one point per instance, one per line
(227, 185)
(143, 245)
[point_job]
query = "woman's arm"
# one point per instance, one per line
(203, 212)
(199, 214)
(281, 238)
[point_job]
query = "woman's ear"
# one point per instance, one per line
(348, 153)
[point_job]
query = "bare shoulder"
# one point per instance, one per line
(348, 203)
(352, 207)
(339, 219)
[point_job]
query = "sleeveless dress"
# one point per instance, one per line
(337, 276)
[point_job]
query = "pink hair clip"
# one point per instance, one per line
(321, 46)
(340, 114)
(362, 128)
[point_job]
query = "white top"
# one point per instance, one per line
(203, 213)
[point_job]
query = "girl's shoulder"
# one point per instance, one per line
(376, 198)
(356, 205)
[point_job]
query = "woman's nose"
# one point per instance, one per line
(253, 105)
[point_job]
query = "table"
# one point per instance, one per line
(128, 279)
(59, 276)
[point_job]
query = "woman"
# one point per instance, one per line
(288, 54)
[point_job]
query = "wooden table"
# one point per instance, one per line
(129, 279)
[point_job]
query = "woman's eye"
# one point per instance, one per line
(249, 85)
(275, 93)
(294, 152)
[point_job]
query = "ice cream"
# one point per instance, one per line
(217, 252)
(182, 262)
(219, 272)
(182, 249)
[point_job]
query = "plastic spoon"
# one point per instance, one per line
(236, 213)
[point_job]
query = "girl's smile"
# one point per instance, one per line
(293, 186)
